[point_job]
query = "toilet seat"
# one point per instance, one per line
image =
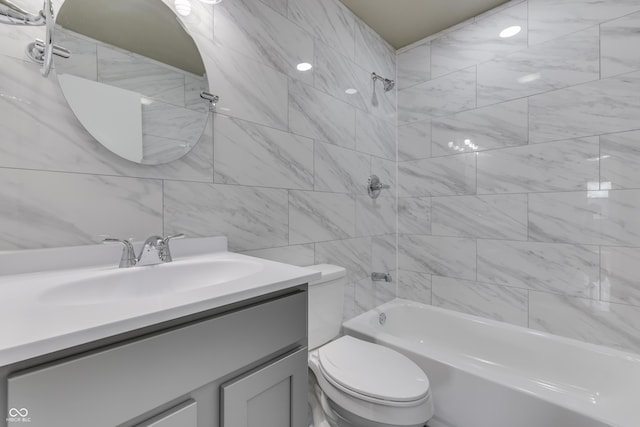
(372, 372)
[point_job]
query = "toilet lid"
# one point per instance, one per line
(373, 370)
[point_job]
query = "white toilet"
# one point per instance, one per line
(359, 383)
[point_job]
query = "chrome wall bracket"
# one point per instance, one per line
(211, 98)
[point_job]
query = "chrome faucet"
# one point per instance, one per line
(379, 277)
(155, 250)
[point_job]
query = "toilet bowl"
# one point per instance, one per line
(359, 384)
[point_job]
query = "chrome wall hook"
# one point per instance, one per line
(213, 99)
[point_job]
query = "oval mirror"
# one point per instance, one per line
(134, 78)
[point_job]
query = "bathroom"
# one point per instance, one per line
(510, 157)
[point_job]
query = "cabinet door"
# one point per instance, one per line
(185, 415)
(272, 396)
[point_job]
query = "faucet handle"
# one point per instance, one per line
(128, 258)
(166, 250)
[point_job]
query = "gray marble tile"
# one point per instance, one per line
(373, 52)
(555, 166)
(365, 295)
(387, 172)
(375, 216)
(619, 40)
(249, 154)
(493, 302)
(479, 42)
(193, 87)
(595, 217)
(490, 217)
(414, 66)
(329, 21)
(279, 6)
(352, 254)
(383, 292)
(414, 141)
(438, 97)
(550, 19)
(384, 256)
(442, 176)
(251, 218)
(258, 31)
(317, 115)
(159, 150)
(620, 276)
(620, 160)
(171, 121)
(595, 108)
(443, 256)
(560, 63)
(375, 136)
(497, 126)
(73, 209)
(349, 310)
(598, 322)
(414, 286)
(414, 215)
(340, 170)
(558, 268)
(315, 216)
(248, 89)
(301, 255)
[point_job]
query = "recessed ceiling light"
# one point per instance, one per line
(183, 7)
(304, 66)
(351, 91)
(211, 1)
(510, 31)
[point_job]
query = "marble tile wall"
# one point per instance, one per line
(281, 169)
(518, 160)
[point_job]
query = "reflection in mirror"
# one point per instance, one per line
(134, 79)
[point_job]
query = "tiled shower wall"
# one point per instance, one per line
(281, 170)
(519, 169)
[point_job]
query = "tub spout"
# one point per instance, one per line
(379, 277)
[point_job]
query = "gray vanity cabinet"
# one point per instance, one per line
(250, 361)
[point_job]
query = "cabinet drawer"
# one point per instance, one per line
(108, 388)
(185, 415)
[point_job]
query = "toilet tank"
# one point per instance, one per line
(326, 304)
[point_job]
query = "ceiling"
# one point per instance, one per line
(402, 22)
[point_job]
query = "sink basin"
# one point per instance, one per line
(122, 284)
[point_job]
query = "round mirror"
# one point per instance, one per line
(134, 77)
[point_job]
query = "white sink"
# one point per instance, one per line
(162, 280)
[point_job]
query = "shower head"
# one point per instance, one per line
(386, 83)
(11, 13)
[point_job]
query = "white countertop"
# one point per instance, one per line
(31, 325)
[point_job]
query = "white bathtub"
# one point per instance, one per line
(485, 373)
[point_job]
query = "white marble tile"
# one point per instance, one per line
(329, 21)
(414, 141)
(340, 170)
(550, 19)
(558, 268)
(619, 41)
(301, 255)
(373, 52)
(493, 302)
(193, 87)
(159, 150)
(317, 115)
(620, 160)
(84, 55)
(443, 256)
(594, 217)
(279, 6)
(247, 89)
(595, 108)
(15, 38)
(620, 275)
(349, 310)
(365, 295)
(438, 97)
(384, 256)
(383, 292)
(442, 176)
(490, 217)
(252, 218)
(171, 121)
(73, 209)
(479, 42)
(555, 166)
(563, 62)
(249, 154)
(414, 215)
(497, 126)
(352, 254)
(386, 170)
(263, 34)
(598, 322)
(375, 136)
(315, 216)
(414, 286)
(414, 66)
(375, 216)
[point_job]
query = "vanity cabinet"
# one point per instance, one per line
(243, 367)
